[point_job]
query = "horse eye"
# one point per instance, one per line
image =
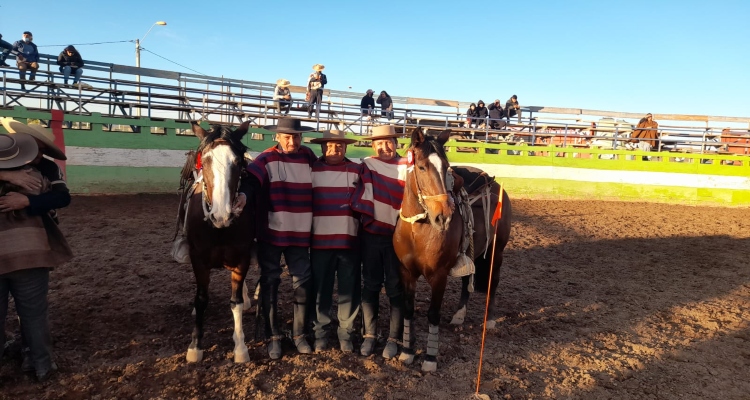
(421, 168)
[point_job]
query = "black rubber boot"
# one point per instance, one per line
(300, 317)
(370, 309)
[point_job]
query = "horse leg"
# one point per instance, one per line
(494, 281)
(433, 317)
(460, 315)
(246, 300)
(202, 278)
(410, 284)
(239, 290)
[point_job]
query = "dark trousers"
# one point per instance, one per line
(380, 267)
(343, 265)
(22, 67)
(283, 106)
(29, 289)
(7, 47)
(315, 97)
(298, 262)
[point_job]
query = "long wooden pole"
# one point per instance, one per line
(489, 286)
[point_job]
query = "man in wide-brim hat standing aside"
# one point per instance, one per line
(378, 199)
(335, 248)
(315, 84)
(281, 180)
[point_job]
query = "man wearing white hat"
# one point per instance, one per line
(281, 179)
(335, 249)
(378, 199)
(315, 84)
(282, 96)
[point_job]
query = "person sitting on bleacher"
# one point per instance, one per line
(471, 115)
(7, 47)
(512, 108)
(70, 62)
(482, 114)
(496, 115)
(282, 96)
(367, 104)
(647, 134)
(28, 57)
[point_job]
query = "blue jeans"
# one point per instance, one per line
(7, 47)
(77, 72)
(29, 289)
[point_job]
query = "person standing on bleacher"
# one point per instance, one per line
(27, 58)
(70, 62)
(315, 84)
(7, 47)
(367, 105)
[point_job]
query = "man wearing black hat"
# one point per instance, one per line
(281, 181)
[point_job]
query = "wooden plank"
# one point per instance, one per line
(431, 102)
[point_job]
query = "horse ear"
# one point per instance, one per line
(241, 130)
(417, 136)
(199, 132)
(443, 136)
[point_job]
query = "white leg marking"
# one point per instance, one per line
(491, 324)
(222, 159)
(194, 355)
(193, 314)
(240, 349)
(459, 316)
(406, 358)
(429, 366)
(246, 300)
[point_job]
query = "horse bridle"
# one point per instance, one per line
(421, 199)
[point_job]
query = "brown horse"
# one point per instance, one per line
(428, 236)
(217, 234)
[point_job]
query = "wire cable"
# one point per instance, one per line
(85, 44)
(173, 62)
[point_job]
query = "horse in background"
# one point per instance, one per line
(217, 234)
(428, 235)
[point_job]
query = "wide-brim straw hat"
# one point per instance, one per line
(333, 135)
(17, 150)
(319, 67)
(288, 125)
(382, 132)
(38, 132)
(283, 83)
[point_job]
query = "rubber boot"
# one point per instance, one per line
(370, 308)
(397, 326)
(269, 294)
(300, 317)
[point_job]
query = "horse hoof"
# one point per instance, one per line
(406, 358)
(241, 355)
(194, 355)
(429, 366)
(491, 324)
(459, 316)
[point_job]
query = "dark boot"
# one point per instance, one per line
(370, 309)
(269, 294)
(300, 317)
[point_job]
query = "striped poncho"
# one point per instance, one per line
(286, 179)
(334, 223)
(379, 194)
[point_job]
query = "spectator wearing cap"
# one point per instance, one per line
(282, 96)
(280, 178)
(386, 105)
(334, 251)
(368, 103)
(27, 58)
(512, 108)
(32, 242)
(70, 62)
(315, 84)
(7, 48)
(378, 198)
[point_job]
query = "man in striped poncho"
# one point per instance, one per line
(335, 248)
(282, 182)
(378, 199)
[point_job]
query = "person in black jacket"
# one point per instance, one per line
(496, 115)
(471, 115)
(482, 114)
(386, 105)
(7, 47)
(70, 62)
(367, 105)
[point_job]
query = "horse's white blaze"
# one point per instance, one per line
(240, 349)
(436, 161)
(222, 159)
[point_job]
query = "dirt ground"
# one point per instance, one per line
(598, 300)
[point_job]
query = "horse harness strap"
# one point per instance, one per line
(422, 198)
(412, 219)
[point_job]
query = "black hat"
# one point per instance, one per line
(288, 125)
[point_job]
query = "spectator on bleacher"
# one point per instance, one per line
(496, 115)
(386, 105)
(647, 134)
(482, 114)
(512, 108)
(70, 62)
(282, 96)
(315, 84)
(367, 105)
(28, 57)
(7, 47)
(471, 115)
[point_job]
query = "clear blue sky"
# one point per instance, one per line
(686, 57)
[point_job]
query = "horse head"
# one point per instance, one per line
(223, 159)
(429, 174)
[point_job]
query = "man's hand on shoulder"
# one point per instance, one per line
(22, 179)
(239, 203)
(13, 201)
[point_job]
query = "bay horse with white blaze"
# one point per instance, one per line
(428, 235)
(217, 234)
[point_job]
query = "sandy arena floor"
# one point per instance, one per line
(599, 300)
